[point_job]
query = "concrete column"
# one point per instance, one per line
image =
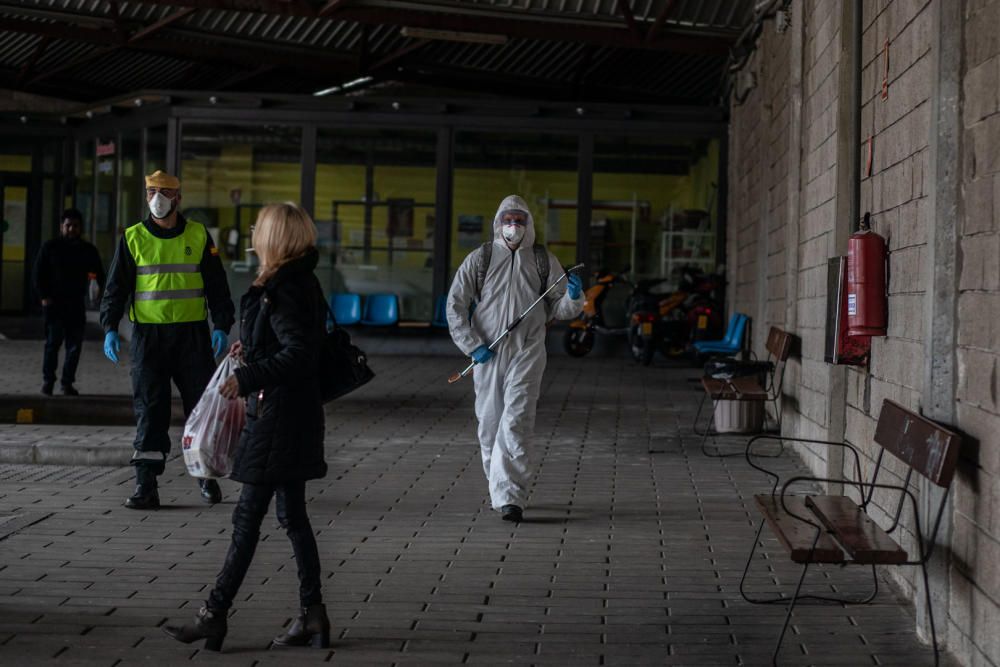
(794, 175)
(848, 184)
(941, 305)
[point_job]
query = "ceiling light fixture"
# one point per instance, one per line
(453, 36)
(342, 87)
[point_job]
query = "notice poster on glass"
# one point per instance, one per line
(470, 230)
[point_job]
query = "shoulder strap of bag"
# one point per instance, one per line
(485, 255)
(542, 264)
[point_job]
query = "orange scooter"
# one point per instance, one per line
(579, 338)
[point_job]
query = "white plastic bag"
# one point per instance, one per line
(212, 432)
(94, 290)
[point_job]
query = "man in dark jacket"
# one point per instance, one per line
(62, 274)
(164, 272)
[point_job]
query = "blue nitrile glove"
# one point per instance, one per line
(574, 286)
(112, 345)
(219, 341)
(482, 354)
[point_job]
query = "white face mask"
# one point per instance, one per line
(513, 233)
(160, 206)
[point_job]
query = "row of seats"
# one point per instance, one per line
(380, 310)
(731, 343)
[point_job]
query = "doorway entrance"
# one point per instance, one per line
(17, 203)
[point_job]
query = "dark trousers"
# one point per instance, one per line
(161, 353)
(59, 328)
(247, 517)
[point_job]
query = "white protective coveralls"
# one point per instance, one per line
(507, 386)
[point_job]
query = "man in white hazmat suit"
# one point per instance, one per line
(502, 279)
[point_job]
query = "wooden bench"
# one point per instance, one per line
(747, 388)
(835, 529)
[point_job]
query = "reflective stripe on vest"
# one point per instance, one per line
(169, 287)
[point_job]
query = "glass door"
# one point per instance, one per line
(13, 242)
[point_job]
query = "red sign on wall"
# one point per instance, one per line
(104, 150)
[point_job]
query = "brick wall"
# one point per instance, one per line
(898, 194)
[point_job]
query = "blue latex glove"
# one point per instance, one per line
(574, 286)
(219, 341)
(482, 354)
(112, 345)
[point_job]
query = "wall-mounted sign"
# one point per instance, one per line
(104, 150)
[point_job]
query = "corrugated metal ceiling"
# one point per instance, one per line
(83, 47)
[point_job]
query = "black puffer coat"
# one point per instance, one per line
(282, 327)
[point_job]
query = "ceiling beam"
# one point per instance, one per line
(391, 58)
(626, 9)
(513, 26)
(661, 19)
(29, 66)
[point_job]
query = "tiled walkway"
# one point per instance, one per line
(631, 551)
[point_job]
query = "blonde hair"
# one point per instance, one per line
(283, 232)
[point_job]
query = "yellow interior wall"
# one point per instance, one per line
(208, 183)
(480, 191)
(15, 162)
(14, 237)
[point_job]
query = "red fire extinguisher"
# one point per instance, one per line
(867, 305)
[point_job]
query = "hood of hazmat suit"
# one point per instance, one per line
(508, 385)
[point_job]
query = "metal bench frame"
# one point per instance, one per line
(779, 344)
(866, 491)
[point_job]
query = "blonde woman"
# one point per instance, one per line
(282, 324)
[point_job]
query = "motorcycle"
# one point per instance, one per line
(579, 338)
(670, 322)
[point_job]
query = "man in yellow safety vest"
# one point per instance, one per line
(164, 272)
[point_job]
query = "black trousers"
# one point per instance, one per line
(62, 327)
(247, 518)
(161, 353)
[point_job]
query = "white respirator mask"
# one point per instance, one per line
(513, 233)
(160, 206)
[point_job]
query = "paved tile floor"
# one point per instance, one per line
(631, 551)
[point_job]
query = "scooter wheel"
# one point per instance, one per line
(642, 348)
(578, 342)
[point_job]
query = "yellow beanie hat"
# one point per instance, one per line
(161, 179)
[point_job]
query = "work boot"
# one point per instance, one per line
(47, 388)
(146, 496)
(311, 628)
(210, 491)
(69, 390)
(511, 513)
(208, 625)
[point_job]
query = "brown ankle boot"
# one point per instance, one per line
(208, 625)
(311, 628)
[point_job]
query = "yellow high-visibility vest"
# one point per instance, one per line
(169, 288)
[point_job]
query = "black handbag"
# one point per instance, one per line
(343, 366)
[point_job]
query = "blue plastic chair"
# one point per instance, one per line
(346, 308)
(440, 313)
(381, 310)
(733, 341)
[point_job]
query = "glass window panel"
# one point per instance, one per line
(385, 243)
(131, 199)
(661, 192)
(14, 223)
(106, 158)
(228, 172)
(84, 192)
(540, 168)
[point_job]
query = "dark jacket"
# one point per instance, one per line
(120, 290)
(281, 327)
(61, 273)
